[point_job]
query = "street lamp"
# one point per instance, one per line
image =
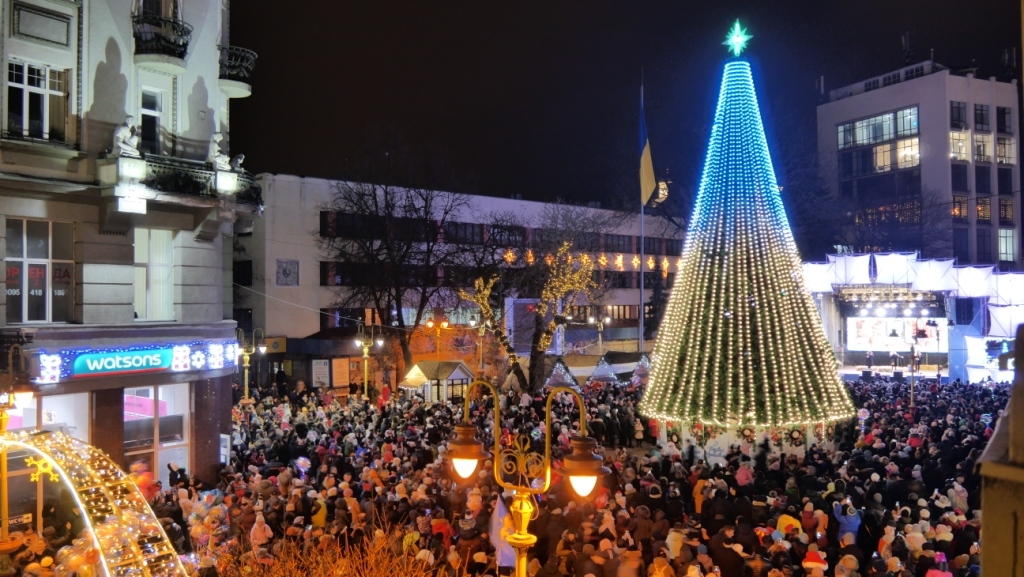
(582, 466)
(480, 331)
(600, 331)
(15, 390)
(437, 328)
(366, 341)
(247, 348)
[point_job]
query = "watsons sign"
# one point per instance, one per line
(119, 363)
(58, 366)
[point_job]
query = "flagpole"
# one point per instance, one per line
(640, 336)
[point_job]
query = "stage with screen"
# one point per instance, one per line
(887, 334)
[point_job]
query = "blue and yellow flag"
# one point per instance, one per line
(647, 182)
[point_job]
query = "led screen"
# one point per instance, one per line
(875, 334)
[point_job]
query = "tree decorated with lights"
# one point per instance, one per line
(741, 344)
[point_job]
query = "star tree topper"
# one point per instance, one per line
(737, 39)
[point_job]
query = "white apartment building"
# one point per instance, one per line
(925, 136)
(115, 215)
(289, 291)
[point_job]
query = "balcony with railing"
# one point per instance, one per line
(161, 44)
(236, 66)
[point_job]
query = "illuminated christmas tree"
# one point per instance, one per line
(741, 343)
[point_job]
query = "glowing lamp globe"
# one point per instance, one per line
(262, 347)
(465, 451)
(23, 393)
(583, 466)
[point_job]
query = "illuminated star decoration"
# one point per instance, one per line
(737, 39)
(43, 467)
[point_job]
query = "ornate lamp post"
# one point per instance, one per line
(366, 341)
(247, 348)
(15, 390)
(437, 328)
(582, 466)
(600, 322)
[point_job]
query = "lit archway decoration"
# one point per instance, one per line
(103, 492)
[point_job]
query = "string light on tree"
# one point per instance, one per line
(741, 344)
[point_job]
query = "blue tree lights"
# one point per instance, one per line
(741, 344)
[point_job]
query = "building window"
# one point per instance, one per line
(1004, 180)
(958, 115)
(463, 233)
(618, 243)
(873, 130)
(652, 245)
(906, 122)
(981, 117)
(984, 209)
(961, 247)
(36, 101)
(509, 236)
(1006, 150)
(984, 245)
(909, 152)
(150, 121)
(915, 72)
(959, 208)
(241, 272)
(845, 135)
(959, 177)
(1005, 211)
(154, 274)
(1003, 117)
(958, 145)
(341, 318)
(890, 79)
(1007, 245)
(882, 158)
(40, 269)
(673, 246)
(983, 179)
(871, 85)
(982, 148)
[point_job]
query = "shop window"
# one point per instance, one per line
(156, 426)
(40, 268)
(68, 414)
(154, 274)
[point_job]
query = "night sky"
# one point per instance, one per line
(541, 98)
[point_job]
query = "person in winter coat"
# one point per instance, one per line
(661, 567)
(849, 518)
(261, 533)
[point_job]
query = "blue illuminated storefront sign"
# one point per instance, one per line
(155, 358)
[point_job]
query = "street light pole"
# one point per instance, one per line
(600, 331)
(582, 466)
(443, 325)
(366, 341)
(247, 348)
(14, 390)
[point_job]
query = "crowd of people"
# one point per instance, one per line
(895, 495)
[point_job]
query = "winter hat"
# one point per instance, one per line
(702, 549)
(813, 560)
(604, 545)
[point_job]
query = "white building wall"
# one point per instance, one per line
(288, 231)
(932, 94)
